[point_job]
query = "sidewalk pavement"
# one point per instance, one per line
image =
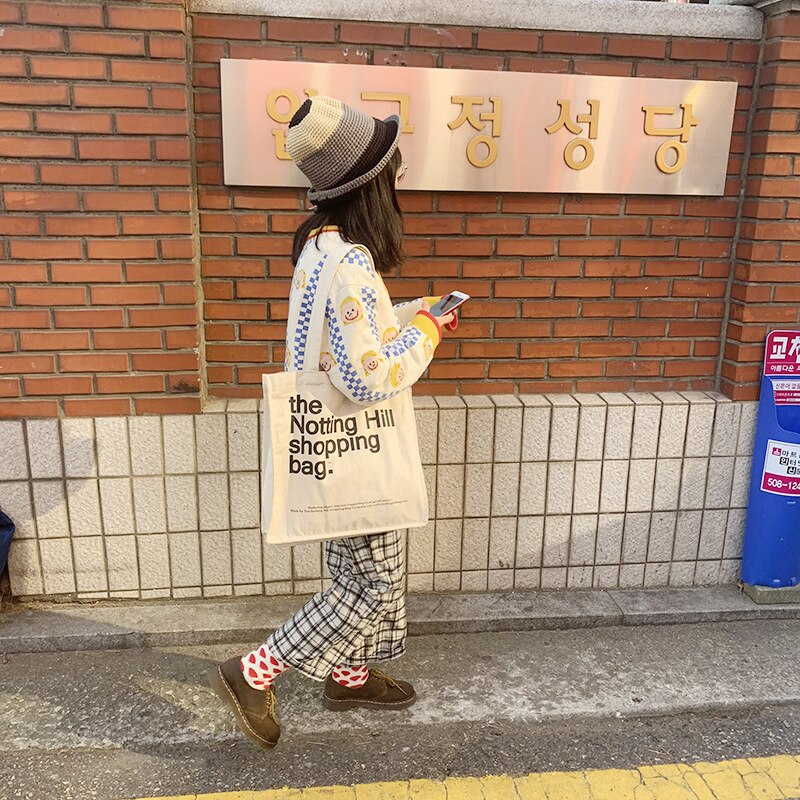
(53, 627)
(132, 723)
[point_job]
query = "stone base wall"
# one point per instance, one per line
(549, 491)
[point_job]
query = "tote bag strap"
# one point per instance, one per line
(316, 323)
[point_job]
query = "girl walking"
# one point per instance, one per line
(371, 350)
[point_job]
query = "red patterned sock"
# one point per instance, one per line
(351, 677)
(260, 668)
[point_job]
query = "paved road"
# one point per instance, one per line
(113, 725)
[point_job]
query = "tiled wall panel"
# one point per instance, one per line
(535, 491)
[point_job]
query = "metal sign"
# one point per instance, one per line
(470, 130)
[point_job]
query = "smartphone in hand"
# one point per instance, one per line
(450, 302)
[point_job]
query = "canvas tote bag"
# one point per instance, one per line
(332, 468)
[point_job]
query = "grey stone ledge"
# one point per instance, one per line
(53, 627)
(597, 16)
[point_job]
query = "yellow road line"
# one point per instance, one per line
(772, 778)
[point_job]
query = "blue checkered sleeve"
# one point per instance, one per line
(365, 369)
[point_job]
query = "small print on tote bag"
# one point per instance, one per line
(333, 468)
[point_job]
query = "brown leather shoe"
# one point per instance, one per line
(254, 709)
(380, 692)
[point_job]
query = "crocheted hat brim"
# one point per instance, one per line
(316, 196)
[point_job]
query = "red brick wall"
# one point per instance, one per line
(766, 291)
(97, 285)
(98, 289)
(573, 293)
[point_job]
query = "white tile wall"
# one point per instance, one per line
(525, 492)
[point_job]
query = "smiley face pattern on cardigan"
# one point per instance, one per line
(371, 349)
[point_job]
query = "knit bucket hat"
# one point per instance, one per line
(337, 147)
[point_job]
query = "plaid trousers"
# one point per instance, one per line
(360, 618)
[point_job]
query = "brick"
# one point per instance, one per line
(371, 34)
(587, 247)
(140, 71)
(403, 58)
(647, 247)
(40, 93)
(112, 200)
(646, 69)
(167, 47)
(491, 269)
(525, 247)
(121, 248)
(514, 370)
(156, 123)
(12, 66)
(595, 288)
(26, 272)
(146, 18)
(56, 341)
(162, 317)
(613, 68)
(32, 39)
(114, 44)
(552, 268)
(10, 12)
(127, 340)
(508, 41)
(294, 30)
(674, 267)
(64, 67)
(335, 55)
(124, 295)
(50, 296)
(699, 50)
(616, 226)
(111, 96)
(9, 387)
(19, 225)
(522, 289)
(272, 52)
(36, 147)
(550, 308)
(226, 27)
(94, 362)
(500, 226)
(77, 174)
(666, 308)
(572, 43)
(80, 225)
(440, 37)
(462, 247)
(17, 319)
(97, 407)
(639, 328)
(172, 150)
(155, 175)
(167, 405)
(58, 385)
(637, 47)
(581, 328)
(24, 364)
(469, 61)
(28, 408)
(118, 148)
(538, 65)
(73, 122)
(89, 319)
(17, 120)
(37, 249)
(129, 384)
(156, 224)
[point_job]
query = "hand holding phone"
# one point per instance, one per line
(445, 309)
(450, 302)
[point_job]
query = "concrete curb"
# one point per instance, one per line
(112, 626)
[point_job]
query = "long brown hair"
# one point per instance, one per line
(369, 215)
